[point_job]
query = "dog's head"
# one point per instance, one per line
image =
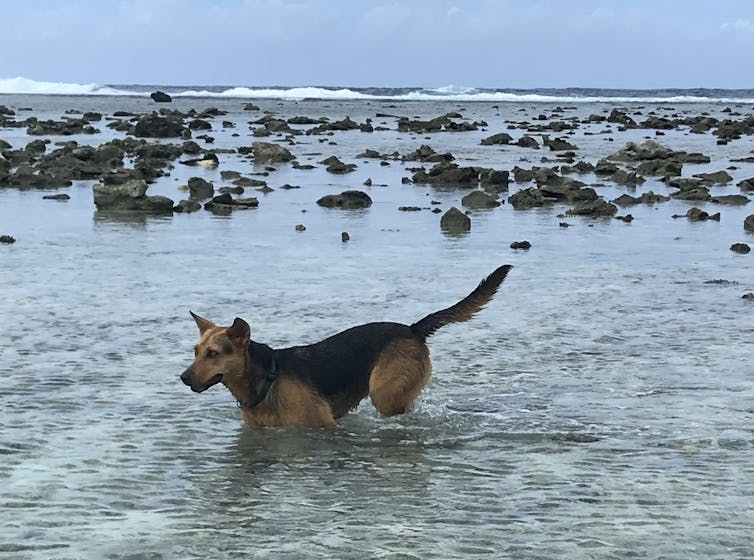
(221, 354)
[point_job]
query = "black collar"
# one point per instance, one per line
(269, 379)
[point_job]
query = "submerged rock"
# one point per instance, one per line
(130, 196)
(347, 200)
(595, 208)
(478, 200)
(698, 215)
(160, 97)
(266, 153)
(742, 248)
(455, 221)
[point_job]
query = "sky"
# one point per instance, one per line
(400, 43)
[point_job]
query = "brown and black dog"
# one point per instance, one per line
(316, 384)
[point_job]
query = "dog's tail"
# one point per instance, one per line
(464, 309)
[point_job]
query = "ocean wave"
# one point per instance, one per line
(25, 86)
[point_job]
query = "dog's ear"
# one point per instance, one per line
(239, 331)
(202, 323)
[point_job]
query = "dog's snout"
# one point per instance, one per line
(186, 377)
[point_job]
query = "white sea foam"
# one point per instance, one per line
(446, 93)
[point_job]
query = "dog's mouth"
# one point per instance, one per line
(214, 380)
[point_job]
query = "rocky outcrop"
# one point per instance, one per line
(427, 154)
(159, 126)
(129, 197)
(455, 222)
(160, 97)
(749, 223)
(594, 208)
(698, 215)
(527, 198)
(265, 153)
(448, 174)
(496, 139)
(347, 200)
(200, 188)
(478, 200)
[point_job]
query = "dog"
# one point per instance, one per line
(317, 384)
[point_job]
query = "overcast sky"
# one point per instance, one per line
(428, 43)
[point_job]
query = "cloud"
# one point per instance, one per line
(740, 25)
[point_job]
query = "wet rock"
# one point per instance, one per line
(620, 117)
(334, 165)
(199, 124)
(231, 190)
(742, 248)
(200, 188)
(344, 237)
(660, 168)
(409, 208)
(28, 177)
(223, 204)
(717, 178)
(521, 175)
(66, 127)
(525, 245)
(496, 139)
(627, 179)
(747, 185)
(438, 124)
(594, 208)
(300, 227)
(527, 198)
(527, 141)
(250, 107)
(648, 197)
(187, 206)
(248, 182)
(7, 238)
(748, 295)
(698, 215)
(229, 174)
(130, 196)
(694, 194)
(158, 126)
(265, 153)
(347, 200)
(56, 197)
(208, 161)
(628, 218)
(190, 147)
(478, 200)
(749, 223)
(454, 221)
(428, 155)
(579, 167)
(557, 144)
(494, 181)
(160, 97)
(448, 174)
(605, 168)
(730, 199)
(5, 110)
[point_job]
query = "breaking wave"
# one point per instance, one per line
(25, 86)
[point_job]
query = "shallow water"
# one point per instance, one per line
(600, 407)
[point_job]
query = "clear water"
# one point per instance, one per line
(600, 407)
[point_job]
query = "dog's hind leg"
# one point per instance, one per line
(401, 372)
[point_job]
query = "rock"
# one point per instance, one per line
(717, 178)
(347, 200)
(300, 227)
(265, 153)
(698, 215)
(200, 188)
(157, 126)
(56, 197)
(749, 223)
(448, 174)
(747, 185)
(130, 196)
(160, 97)
(7, 239)
(199, 124)
(742, 248)
(187, 206)
(428, 155)
(527, 198)
(643, 151)
(334, 165)
(344, 237)
(731, 199)
(628, 218)
(660, 168)
(557, 144)
(695, 194)
(648, 197)
(620, 117)
(455, 221)
(409, 208)
(494, 181)
(224, 204)
(595, 208)
(191, 147)
(231, 190)
(478, 200)
(527, 142)
(627, 179)
(748, 295)
(495, 139)
(250, 107)
(208, 161)
(521, 245)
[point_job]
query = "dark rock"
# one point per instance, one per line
(694, 194)
(130, 196)
(428, 155)
(627, 179)
(628, 218)
(660, 168)
(250, 107)
(527, 198)
(749, 223)
(717, 178)
(742, 248)
(748, 295)
(495, 139)
(7, 238)
(229, 174)
(334, 165)
(56, 197)
(300, 227)
(494, 181)
(409, 208)
(208, 161)
(732, 199)
(187, 206)
(448, 174)
(344, 236)
(347, 200)
(191, 147)
(557, 144)
(265, 153)
(160, 97)
(455, 221)
(521, 245)
(747, 185)
(231, 190)
(478, 200)
(527, 142)
(698, 215)
(157, 126)
(199, 124)
(224, 204)
(595, 208)
(200, 188)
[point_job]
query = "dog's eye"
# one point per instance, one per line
(211, 353)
